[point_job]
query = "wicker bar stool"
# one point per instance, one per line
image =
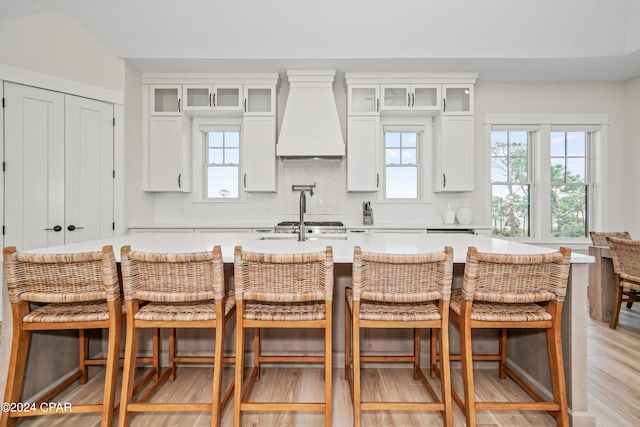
(174, 290)
(502, 291)
(282, 291)
(79, 291)
(399, 291)
(625, 254)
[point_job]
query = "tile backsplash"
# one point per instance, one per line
(326, 174)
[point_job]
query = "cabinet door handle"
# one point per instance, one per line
(408, 99)
(56, 228)
(179, 180)
(179, 106)
(377, 105)
(444, 180)
(73, 227)
(413, 100)
(210, 103)
(245, 105)
(244, 180)
(377, 180)
(444, 104)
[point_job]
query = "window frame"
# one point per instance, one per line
(540, 205)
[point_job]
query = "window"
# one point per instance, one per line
(222, 165)
(510, 188)
(401, 165)
(569, 190)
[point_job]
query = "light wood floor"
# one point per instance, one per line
(613, 389)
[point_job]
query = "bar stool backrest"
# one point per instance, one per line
(599, 238)
(625, 254)
(402, 278)
(61, 278)
(283, 277)
(516, 278)
(172, 277)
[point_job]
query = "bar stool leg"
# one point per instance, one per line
(616, 306)
(128, 373)
(172, 354)
(556, 364)
(239, 368)
(83, 353)
(347, 340)
(328, 364)
(356, 365)
(433, 360)
(416, 353)
(503, 354)
(218, 366)
(467, 365)
(256, 351)
(445, 377)
(17, 365)
(111, 370)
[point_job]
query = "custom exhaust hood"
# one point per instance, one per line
(310, 125)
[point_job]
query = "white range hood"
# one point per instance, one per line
(310, 125)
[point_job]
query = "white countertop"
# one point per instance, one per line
(342, 249)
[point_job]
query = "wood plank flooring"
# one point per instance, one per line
(613, 390)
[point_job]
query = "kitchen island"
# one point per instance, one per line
(527, 351)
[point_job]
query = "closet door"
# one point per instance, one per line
(88, 179)
(34, 176)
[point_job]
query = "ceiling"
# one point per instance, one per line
(502, 40)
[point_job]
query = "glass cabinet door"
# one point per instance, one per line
(166, 100)
(364, 100)
(196, 97)
(227, 97)
(395, 97)
(259, 100)
(425, 97)
(457, 99)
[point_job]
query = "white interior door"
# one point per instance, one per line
(88, 169)
(34, 177)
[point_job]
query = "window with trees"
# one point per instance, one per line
(222, 165)
(569, 189)
(510, 187)
(401, 165)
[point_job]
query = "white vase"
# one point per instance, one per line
(449, 215)
(464, 216)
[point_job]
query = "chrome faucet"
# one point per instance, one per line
(302, 232)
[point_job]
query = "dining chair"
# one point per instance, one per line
(293, 290)
(398, 291)
(58, 292)
(599, 238)
(625, 254)
(512, 291)
(174, 291)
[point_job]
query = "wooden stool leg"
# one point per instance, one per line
(239, 368)
(433, 360)
(256, 351)
(218, 366)
(556, 365)
(503, 354)
(83, 354)
(156, 353)
(467, 366)
(129, 370)
(17, 366)
(111, 369)
(616, 305)
(416, 353)
(328, 364)
(347, 339)
(172, 354)
(356, 365)
(445, 375)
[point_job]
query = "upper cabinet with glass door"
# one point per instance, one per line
(418, 97)
(166, 100)
(259, 100)
(457, 99)
(364, 100)
(212, 97)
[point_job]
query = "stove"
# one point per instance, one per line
(312, 227)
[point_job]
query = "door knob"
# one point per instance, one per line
(55, 228)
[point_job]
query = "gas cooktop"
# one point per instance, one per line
(312, 227)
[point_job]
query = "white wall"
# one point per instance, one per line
(631, 190)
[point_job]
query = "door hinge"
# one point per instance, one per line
(113, 173)
(3, 230)
(113, 225)
(4, 166)
(114, 121)
(3, 102)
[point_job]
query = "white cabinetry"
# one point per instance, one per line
(362, 148)
(259, 145)
(406, 97)
(171, 101)
(453, 154)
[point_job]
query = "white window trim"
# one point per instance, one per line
(425, 153)
(199, 127)
(543, 124)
